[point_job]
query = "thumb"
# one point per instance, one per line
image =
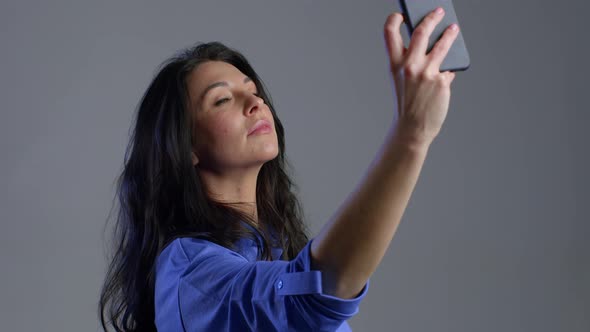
(449, 76)
(393, 38)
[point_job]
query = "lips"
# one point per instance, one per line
(259, 124)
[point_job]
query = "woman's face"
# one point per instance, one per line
(225, 107)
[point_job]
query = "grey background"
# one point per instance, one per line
(494, 237)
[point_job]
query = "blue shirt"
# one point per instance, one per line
(202, 286)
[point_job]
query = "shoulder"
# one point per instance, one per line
(190, 250)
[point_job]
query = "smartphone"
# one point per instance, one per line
(415, 10)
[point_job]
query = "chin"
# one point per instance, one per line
(272, 155)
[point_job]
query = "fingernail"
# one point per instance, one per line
(454, 26)
(439, 10)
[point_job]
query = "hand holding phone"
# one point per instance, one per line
(422, 91)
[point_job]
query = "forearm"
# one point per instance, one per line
(352, 244)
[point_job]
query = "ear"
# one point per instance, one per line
(195, 159)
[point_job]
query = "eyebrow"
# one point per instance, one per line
(218, 84)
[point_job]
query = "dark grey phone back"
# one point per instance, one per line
(414, 11)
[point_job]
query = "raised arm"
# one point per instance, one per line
(353, 242)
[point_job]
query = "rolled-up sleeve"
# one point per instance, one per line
(222, 291)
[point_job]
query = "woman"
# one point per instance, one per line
(210, 235)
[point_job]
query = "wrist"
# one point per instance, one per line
(409, 139)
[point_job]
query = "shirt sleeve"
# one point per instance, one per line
(222, 291)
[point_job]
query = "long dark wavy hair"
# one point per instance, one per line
(162, 197)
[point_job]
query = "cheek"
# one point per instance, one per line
(225, 129)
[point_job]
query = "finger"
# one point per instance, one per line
(419, 40)
(393, 38)
(449, 76)
(440, 50)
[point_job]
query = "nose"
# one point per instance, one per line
(254, 103)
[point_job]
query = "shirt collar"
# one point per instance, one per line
(248, 248)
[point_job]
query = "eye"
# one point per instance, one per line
(221, 101)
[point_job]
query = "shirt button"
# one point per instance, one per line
(280, 284)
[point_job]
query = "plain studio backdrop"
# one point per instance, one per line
(495, 237)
